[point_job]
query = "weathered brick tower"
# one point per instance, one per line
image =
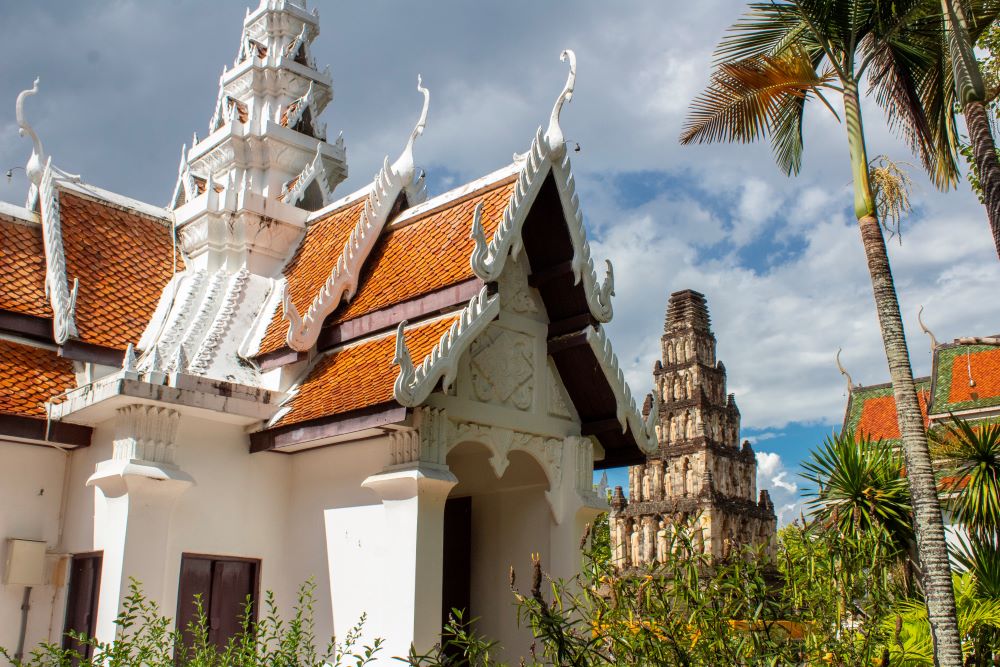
(700, 473)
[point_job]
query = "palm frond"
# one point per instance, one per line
(980, 557)
(972, 473)
(746, 100)
(766, 29)
(913, 106)
(786, 138)
(860, 487)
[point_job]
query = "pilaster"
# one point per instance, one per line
(413, 499)
(139, 485)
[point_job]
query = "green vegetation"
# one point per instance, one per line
(842, 590)
(146, 638)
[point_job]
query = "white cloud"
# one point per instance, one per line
(757, 203)
(779, 328)
(118, 99)
(772, 475)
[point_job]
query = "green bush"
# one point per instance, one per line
(144, 637)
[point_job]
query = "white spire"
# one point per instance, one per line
(403, 166)
(554, 134)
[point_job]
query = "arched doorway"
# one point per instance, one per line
(492, 524)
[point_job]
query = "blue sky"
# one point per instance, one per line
(125, 83)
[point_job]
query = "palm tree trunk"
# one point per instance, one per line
(971, 92)
(931, 546)
(987, 164)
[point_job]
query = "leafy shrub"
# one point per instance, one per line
(144, 637)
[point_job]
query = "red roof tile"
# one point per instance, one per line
(875, 414)
(29, 376)
(985, 370)
(360, 375)
(425, 254)
(428, 253)
(22, 269)
(311, 266)
(123, 261)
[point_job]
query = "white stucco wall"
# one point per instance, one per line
(337, 531)
(31, 480)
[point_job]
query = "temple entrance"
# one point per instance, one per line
(456, 591)
(490, 525)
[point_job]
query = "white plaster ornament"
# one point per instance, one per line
(414, 384)
(342, 283)
(546, 155)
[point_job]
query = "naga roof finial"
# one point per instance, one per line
(403, 166)
(923, 327)
(554, 134)
(843, 371)
(36, 163)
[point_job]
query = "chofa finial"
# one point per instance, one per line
(36, 163)
(843, 371)
(923, 327)
(403, 166)
(554, 135)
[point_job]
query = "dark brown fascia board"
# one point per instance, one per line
(566, 341)
(97, 354)
(617, 458)
(378, 321)
(389, 318)
(33, 428)
(376, 416)
(280, 357)
(26, 326)
(600, 426)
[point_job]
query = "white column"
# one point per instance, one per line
(140, 486)
(575, 505)
(413, 499)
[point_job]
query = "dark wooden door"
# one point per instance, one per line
(456, 591)
(81, 599)
(223, 584)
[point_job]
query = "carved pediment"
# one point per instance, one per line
(502, 368)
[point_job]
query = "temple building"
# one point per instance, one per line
(699, 476)
(269, 380)
(964, 382)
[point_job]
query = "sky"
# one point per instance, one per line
(124, 84)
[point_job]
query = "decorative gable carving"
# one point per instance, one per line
(557, 405)
(502, 366)
(547, 155)
(389, 183)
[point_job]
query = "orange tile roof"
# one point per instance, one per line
(311, 266)
(985, 368)
(22, 269)
(29, 376)
(428, 253)
(123, 260)
(878, 417)
(360, 375)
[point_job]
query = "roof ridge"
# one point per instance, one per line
(115, 200)
(335, 206)
(455, 195)
(887, 385)
(19, 214)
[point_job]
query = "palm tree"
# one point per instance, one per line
(971, 93)
(971, 473)
(860, 488)
(777, 57)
